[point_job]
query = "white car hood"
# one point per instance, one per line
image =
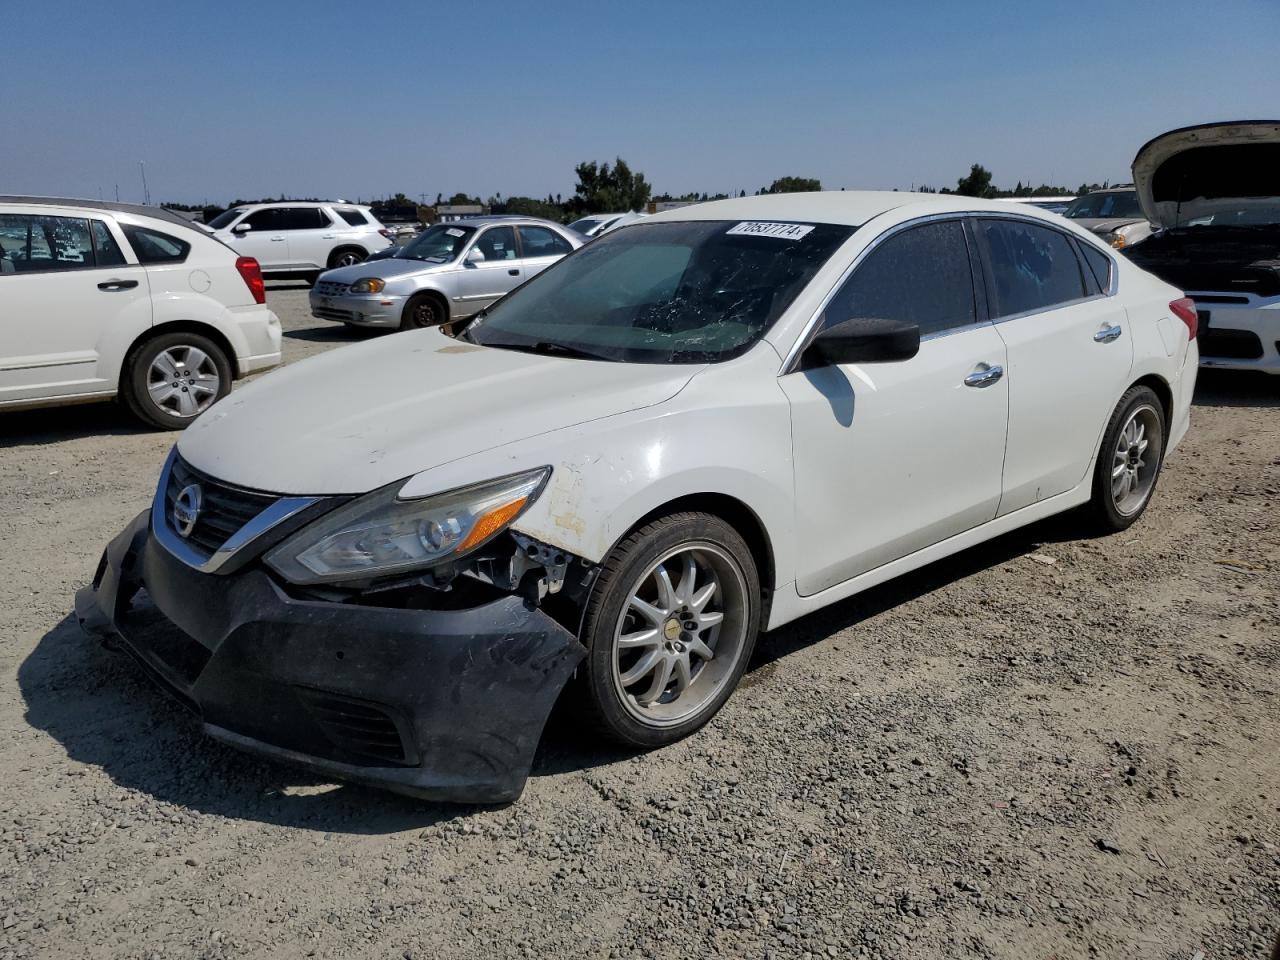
(1207, 168)
(354, 419)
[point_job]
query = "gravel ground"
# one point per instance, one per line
(1047, 747)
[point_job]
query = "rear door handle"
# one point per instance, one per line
(275, 239)
(984, 378)
(1107, 334)
(117, 285)
(514, 273)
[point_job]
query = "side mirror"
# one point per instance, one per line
(864, 340)
(475, 255)
(241, 227)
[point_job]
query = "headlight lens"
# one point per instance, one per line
(380, 534)
(369, 285)
(1117, 240)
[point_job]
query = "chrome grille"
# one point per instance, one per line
(224, 508)
(331, 288)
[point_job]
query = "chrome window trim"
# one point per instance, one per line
(791, 362)
(272, 516)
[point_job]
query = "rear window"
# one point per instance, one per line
(353, 217)
(152, 246)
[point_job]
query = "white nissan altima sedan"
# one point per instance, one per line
(385, 562)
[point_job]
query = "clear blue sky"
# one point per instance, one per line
(228, 98)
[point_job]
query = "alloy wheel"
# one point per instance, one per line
(1136, 460)
(183, 381)
(681, 634)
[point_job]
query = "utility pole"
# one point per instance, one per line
(146, 194)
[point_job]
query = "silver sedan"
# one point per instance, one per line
(448, 272)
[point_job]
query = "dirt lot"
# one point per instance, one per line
(999, 756)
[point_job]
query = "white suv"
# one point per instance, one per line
(299, 237)
(100, 299)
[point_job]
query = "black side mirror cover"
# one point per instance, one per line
(865, 340)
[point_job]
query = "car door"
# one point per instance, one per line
(539, 248)
(65, 284)
(312, 236)
(1069, 355)
(890, 458)
(265, 238)
(490, 267)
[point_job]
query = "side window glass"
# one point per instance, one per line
(1033, 267)
(1099, 265)
(920, 276)
(541, 242)
(353, 217)
(498, 243)
(32, 243)
(152, 246)
(105, 246)
(268, 219)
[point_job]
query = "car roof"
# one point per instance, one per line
(850, 207)
(137, 209)
(500, 218)
(297, 203)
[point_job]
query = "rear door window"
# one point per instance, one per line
(1099, 265)
(1031, 267)
(30, 243)
(920, 275)
(542, 242)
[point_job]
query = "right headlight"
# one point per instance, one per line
(380, 534)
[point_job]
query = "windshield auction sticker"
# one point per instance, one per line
(782, 231)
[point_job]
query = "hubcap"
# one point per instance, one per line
(348, 260)
(183, 381)
(1136, 460)
(425, 314)
(680, 636)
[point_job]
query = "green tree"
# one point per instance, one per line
(460, 199)
(529, 207)
(605, 189)
(793, 185)
(976, 184)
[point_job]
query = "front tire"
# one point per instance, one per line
(1129, 461)
(423, 310)
(171, 379)
(670, 628)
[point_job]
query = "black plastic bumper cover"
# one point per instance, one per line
(443, 704)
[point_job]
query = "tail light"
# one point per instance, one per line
(1184, 308)
(385, 232)
(252, 274)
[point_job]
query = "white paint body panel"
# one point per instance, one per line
(855, 474)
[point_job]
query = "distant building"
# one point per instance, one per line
(657, 206)
(458, 211)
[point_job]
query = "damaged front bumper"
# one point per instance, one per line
(445, 704)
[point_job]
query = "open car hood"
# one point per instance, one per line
(1194, 172)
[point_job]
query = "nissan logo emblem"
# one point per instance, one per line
(186, 510)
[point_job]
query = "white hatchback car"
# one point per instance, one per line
(301, 236)
(107, 299)
(683, 433)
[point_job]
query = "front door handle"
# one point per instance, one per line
(514, 273)
(110, 285)
(1107, 334)
(984, 377)
(275, 239)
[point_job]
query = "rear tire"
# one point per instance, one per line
(346, 257)
(423, 310)
(171, 379)
(1129, 461)
(669, 629)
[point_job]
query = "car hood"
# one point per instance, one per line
(1104, 224)
(357, 418)
(391, 268)
(1194, 172)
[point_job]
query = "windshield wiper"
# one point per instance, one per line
(549, 348)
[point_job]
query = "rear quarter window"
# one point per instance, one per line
(353, 217)
(152, 246)
(1099, 265)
